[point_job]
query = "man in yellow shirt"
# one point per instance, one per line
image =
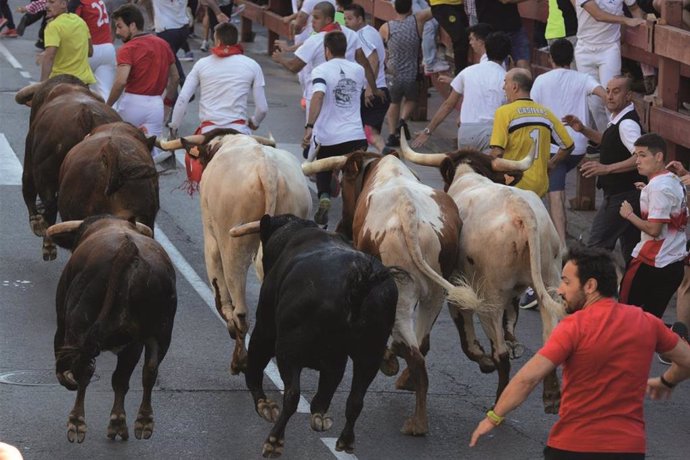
(68, 44)
(522, 122)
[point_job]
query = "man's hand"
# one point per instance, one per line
(420, 139)
(573, 122)
(281, 45)
(251, 125)
(368, 96)
(677, 168)
(657, 390)
(222, 17)
(483, 428)
(634, 22)
(625, 210)
(307, 138)
(593, 168)
(277, 55)
(21, 9)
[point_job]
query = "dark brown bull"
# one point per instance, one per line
(110, 172)
(116, 293)
(63, 112)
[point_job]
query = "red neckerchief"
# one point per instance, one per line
(330, 27)
(227, 50)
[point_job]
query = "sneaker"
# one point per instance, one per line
(204, 46)
(3, 23)
(438, 66)
(9, 33)
(393, 141)
(188, 56)
(682, 330)
(39, 44)
(321, 216)
(528, 299)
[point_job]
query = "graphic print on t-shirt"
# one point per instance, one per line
(345, 91)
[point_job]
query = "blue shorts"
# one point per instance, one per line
(519, 45)
(557, 174)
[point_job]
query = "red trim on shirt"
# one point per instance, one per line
(628, 277)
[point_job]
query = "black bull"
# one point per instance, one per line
(116, 293)
(321, 301)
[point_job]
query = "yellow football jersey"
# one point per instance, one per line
(517, 126)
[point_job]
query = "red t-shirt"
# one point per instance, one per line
(150, 58)
(94, 13)
(606, 351)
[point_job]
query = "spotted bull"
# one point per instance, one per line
(110, 172)
(508, 243)
(63, 112)
(390, 214)
(242, 180)
(116, 293)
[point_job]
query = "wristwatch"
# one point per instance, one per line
(427, 131)
(309, 125)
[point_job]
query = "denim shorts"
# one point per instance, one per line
(519, 45)
(557, 174)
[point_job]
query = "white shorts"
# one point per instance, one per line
(144, 112)
(244, 129)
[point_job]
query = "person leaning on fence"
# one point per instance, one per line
(606, 349)
(656, 268)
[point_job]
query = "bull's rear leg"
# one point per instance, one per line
(127, 360)
(469, 342)
(76, 424)
(363, 373)
(552, 393)
(510, 318)
(329, 377)
(273, 446)
(155, 351)
(405, 382)
(418, 424)
(261, 350)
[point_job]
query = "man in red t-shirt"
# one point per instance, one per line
(606, 350)
(145, 70)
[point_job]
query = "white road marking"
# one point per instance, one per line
(10, 167)
(204, 291)
(330, 443)
(25, 74)
(13, 62)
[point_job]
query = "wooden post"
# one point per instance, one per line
(669, 70)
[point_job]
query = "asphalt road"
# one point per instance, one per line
(201, 411)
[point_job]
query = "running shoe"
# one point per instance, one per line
(187, 57)
(528, 299)
(9, 33)
(204, 46)
(321, 216)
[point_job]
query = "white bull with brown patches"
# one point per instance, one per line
(508, 243)
(243, 179)
(388, 213)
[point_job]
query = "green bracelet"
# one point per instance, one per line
(494, 417)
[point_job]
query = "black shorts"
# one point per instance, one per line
(375, 114)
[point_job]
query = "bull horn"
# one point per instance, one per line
(24, 95)
(503, 165)
(175, 144)
(425, 159)
(269, 141)
(63, 227)
(325, 164)
(245, 229)
(144, 229)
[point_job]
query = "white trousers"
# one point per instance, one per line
(144, 112)
(103, 66)
(603, 63)
(244, 129)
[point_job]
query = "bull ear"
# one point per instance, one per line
(265, 229)
(353, 166)
(150, 142)
(447, 169)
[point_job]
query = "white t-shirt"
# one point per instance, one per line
(307, 8)
(342, 82)
(564, 92)
(169, 14)
(481, 86)
(371, 41)
(312, 53)
(628, 130)
(225, 84)
(595, 33)
(663, 200)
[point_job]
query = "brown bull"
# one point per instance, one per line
(110, 172)
(63, 112)
(508, 243)
(117, 293)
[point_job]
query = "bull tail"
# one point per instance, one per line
(91, 346)
(461, 294)
(269, 182)
(530, 226)
(118, 174)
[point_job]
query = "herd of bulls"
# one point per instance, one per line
(400, 251)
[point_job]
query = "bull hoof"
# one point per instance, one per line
(321, 422)
(143, 427)
(232, 330)
(118, 426)
(67, 380)
(389, 364)
(76, 428)
(486, 364)
(239, 360)
(515, 349)
(49, 252)
(268, 410)
(415, 427)
(273, 448)
(404, 382)
(345, 445)
(38, 224)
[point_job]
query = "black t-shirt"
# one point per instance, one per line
(502, 17)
